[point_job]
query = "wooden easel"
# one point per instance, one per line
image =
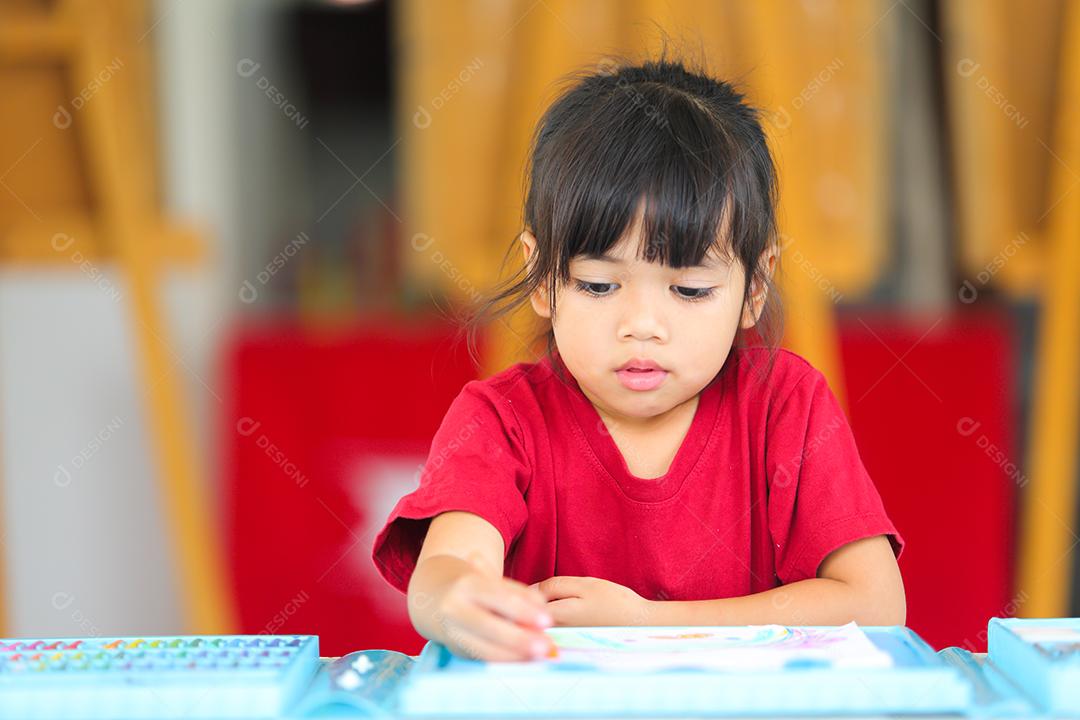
(1049, 526)
(110, 133)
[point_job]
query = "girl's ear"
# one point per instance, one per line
(539, 298)
(759, 287)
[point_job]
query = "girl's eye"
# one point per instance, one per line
(692, 294)
(594, 289)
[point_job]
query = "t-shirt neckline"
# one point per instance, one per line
(597, 439)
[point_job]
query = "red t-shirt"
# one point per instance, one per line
(766, 483)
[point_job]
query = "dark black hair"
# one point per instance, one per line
(685, 145)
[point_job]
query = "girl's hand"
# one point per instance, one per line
(485, 616)
(587, 601)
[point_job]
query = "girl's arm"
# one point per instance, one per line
(458, 596)
(859, 581)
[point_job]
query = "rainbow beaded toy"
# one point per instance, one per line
(227, 676)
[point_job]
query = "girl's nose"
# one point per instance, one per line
(642, 318)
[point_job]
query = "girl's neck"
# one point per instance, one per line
(679, 416)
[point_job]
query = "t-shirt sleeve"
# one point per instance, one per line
(477, 463)
(820, 494)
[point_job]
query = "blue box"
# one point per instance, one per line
(1042, 656)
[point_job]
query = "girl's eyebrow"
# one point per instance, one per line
(707, 263)
(601, 257)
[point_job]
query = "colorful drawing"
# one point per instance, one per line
(753, 647)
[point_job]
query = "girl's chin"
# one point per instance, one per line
(634, 405)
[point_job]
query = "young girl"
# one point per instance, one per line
(644, 471)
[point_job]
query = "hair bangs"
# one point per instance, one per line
(671, 175)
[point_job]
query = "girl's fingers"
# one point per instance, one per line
(476, 648)
(561, 586)
(530, 592)
(515, 602)
(565, 611)
(524, 644)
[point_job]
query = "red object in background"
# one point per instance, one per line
(323, 432)
(931, 403)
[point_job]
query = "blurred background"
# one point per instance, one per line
(233, 234)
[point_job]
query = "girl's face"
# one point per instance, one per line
(618, 310)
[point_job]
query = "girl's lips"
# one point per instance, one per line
(641, 379)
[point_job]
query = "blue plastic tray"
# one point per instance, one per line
(442, 684)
